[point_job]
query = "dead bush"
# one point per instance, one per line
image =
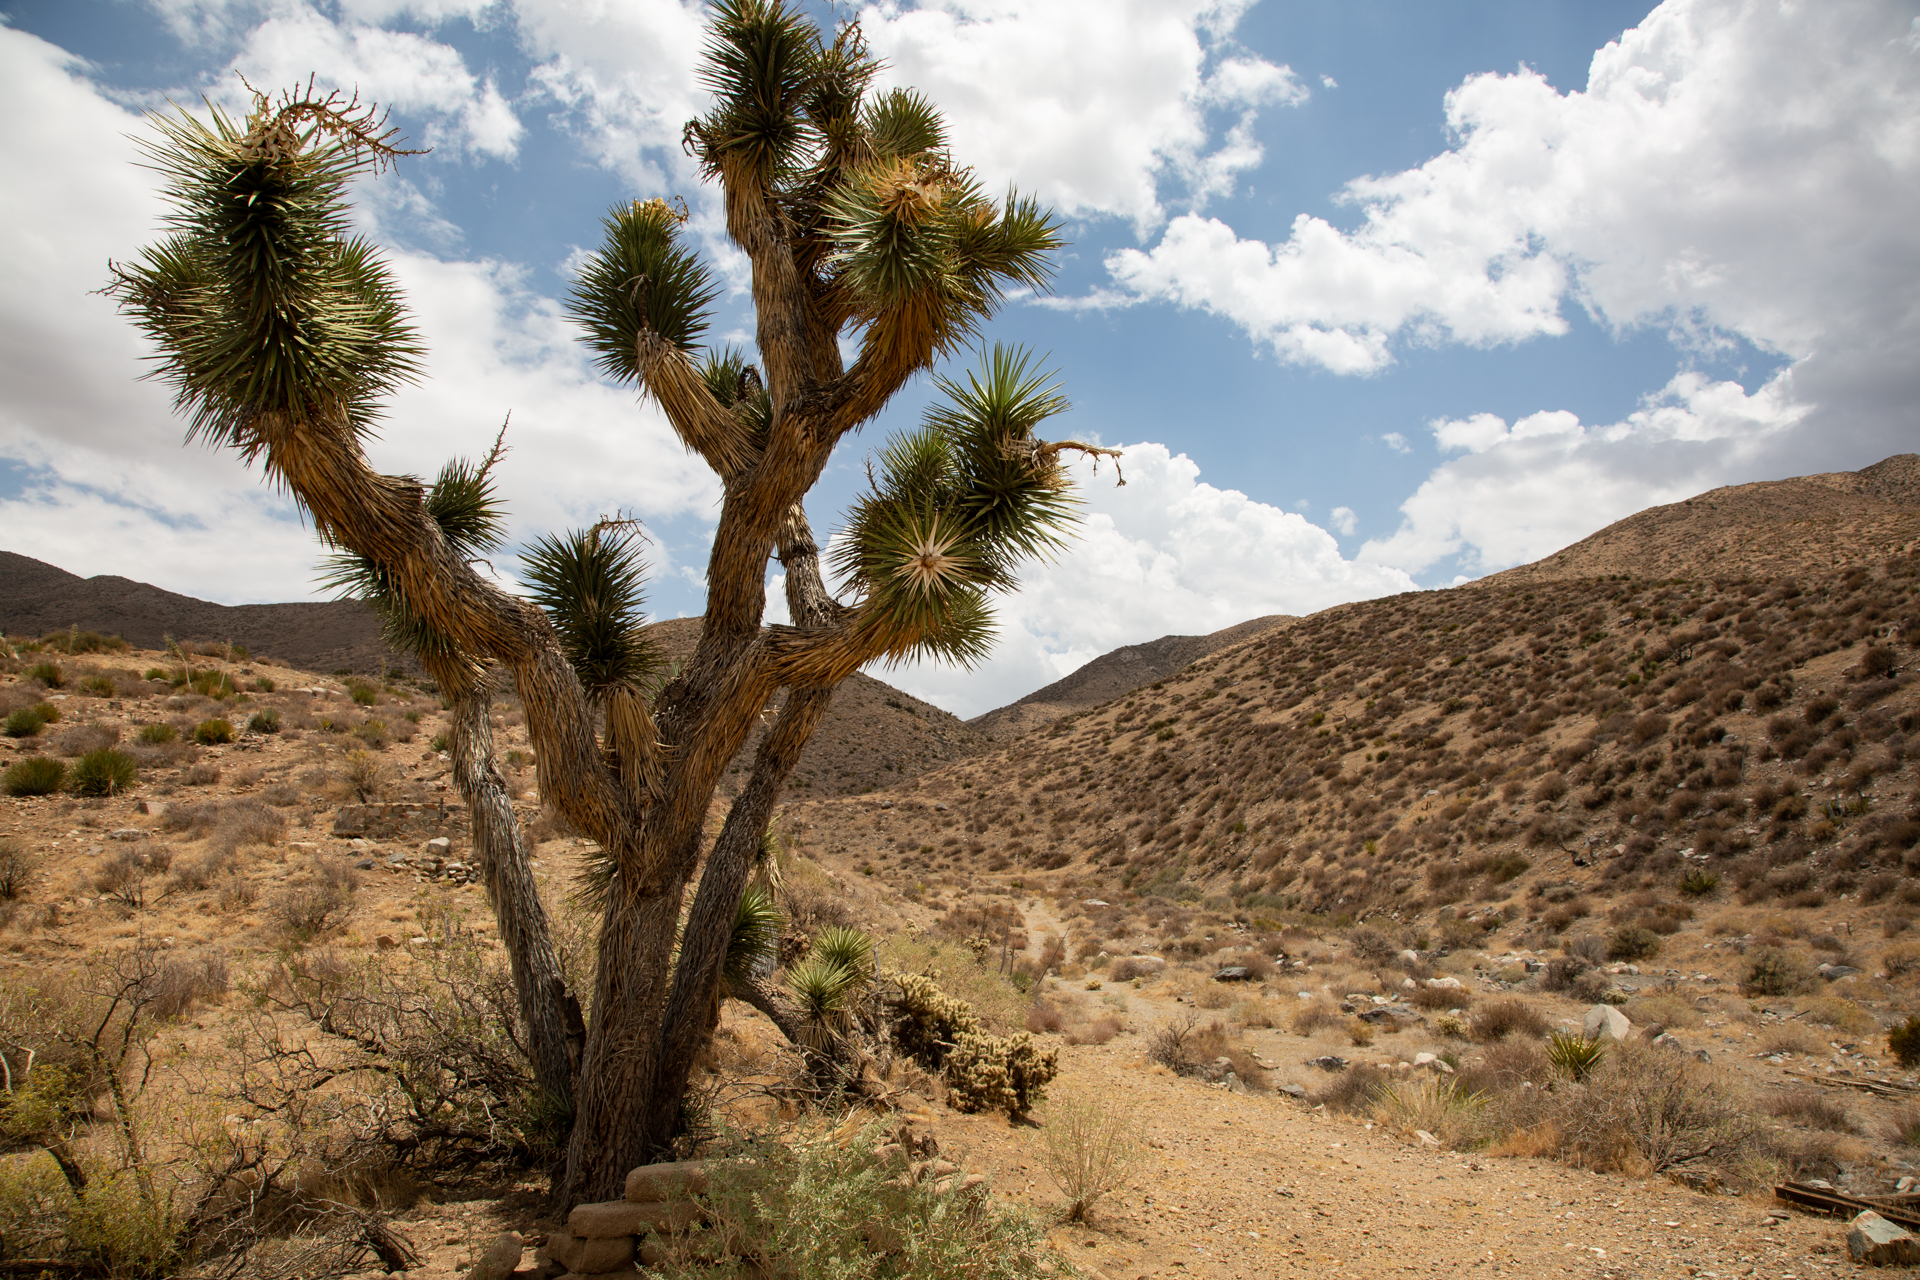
(1099, 1031)
(1649, 1111)
(1045, 1016)
(1507, 1017)
(184, 981)
(1314, 1016)
(1352, 1091)
(1440, 998)
(306, 911)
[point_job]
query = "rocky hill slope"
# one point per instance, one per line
(1110, 675)
(1776, 528)
(1513, 750)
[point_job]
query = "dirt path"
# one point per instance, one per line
(1253, 1185)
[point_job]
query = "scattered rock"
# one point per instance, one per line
(365, 864)
(1409, 958)
(1830, 971)
(126, 833)
(501, 1259)
(1665, 1040)
(1291, 1090)
(1328, 1062)
(1234, 973)
(1605, 1021)
(440, 846)
(386, 942)
(671, 1180)
(1878, 1243)
(1448, 983)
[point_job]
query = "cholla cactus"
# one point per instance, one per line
(994, 1073)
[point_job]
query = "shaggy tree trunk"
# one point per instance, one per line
(502, 849)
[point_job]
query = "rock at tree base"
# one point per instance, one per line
(501, 1259)
(1603, 1021)
(669, 1181)
(589, 1257)
(1878, 1243)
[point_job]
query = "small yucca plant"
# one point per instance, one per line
(1572, 1056)
(34, 776)
(105, 772)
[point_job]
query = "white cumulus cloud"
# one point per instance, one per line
(1088, 104)
(1167, 553)
(1526, 489)
(1344, 520)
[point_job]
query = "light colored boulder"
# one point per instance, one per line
(1603, 1021)
(1878, 1243)
(589, 1257)
(671, 1181)
(625, 1218)
(501, 1259)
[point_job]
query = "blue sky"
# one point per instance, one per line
(1377, 295)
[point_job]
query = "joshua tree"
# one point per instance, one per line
(281, 336)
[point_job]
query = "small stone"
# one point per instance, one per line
(1234, 973)
(128, 834)
(1665, 1040)
(419, 940)
(1409, 958)
(1605, 1021)
(386, 942)
(1878, 1243)
(365, 864)
(1831, 972)
(1328, 1062)
(501, 1259)
(1448, 983)
(1292, 1090)
(1426, 1139)
(439, 846)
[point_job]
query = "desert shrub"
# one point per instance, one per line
(47, 673)
(830, 1208)
(1505, 1066)
(1649, 1110)
(1561, 973)
(1772, 971)
(1632, 942)
(374, 732)
(103, 772)
(365, 774)
(362, 693)
(1353, 1090)
(305, 911)
(98, 686)
(1440, 998)
(1090, 1149)
(1811, 1107)
(17, 869)
(212, 684)
(1589, 947)
(1099, 1031)
(185, 981)
(1903, 1041)
(1901, 960)
(157, 734)
(1045, 1016)
(1451, 1025)
(1503, 1018)
(34, 776)
(1441, 1106)
(213, 732)
(1904, 1128)
(989, 994)
(264, 721)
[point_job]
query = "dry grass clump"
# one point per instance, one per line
(1099, 1031)
(1646, 1110)
(1440, 998)
(1813, 1108)
(1792, 1037)
(1187, 1048)
(1314, 1016)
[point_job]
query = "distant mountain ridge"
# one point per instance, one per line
(36, 597)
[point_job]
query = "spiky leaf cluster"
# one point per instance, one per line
(589, 582)
(267, 313)
(957, 504)
(755, 940)
(643, 280)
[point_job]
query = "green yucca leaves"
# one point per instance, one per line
(848, 949)
(903, 123)
(825, 993)
(589, 583)
(642, 280)
(266, 314)
(755, 939)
